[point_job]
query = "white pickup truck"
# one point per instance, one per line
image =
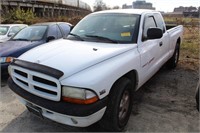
(91, 75)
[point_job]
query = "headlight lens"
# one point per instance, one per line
(6, 59)
(78, 95)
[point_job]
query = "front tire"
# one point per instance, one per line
(119, 107)
(173, 61)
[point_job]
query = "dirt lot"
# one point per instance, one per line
(164, 104)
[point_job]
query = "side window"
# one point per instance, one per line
(65, 28)
(14, 29)
(54, 31)
(149, 22)
(159, 22)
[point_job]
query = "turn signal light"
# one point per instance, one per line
(80, 101)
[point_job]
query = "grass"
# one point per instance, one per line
(189, 51)
(182, 20)
(191, 35)
(190, 45)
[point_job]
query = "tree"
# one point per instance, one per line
(99, 5)
(19, 16)
(116, 7)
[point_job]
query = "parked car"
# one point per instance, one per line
(29, 38)
(92, 74)
(9, 30)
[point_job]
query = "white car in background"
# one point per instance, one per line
(8, 30)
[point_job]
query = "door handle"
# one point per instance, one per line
(160, 44)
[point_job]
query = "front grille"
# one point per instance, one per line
(45, 81)
(36, 83)
(21, 73)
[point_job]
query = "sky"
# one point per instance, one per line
(160, 5)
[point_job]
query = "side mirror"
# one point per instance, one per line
(50, 38)
(11, 34)
(154, 33)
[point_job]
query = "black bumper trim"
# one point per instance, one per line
(4, 69)
(38, 68)
(59, 107)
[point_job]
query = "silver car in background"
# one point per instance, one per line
(9, 30)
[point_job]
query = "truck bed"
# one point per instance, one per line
(169, 26)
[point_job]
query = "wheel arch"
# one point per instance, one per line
(179, 40)
(131, 75)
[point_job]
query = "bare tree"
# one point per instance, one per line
(99, 5)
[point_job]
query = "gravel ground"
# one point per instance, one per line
(166, 103)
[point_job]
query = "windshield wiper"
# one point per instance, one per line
(20, 39)
(77, 36)
(101, 37)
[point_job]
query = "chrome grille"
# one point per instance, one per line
(36, 83)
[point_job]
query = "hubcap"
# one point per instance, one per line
(124, 105)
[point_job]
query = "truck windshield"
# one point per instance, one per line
(107, 27)
(31, 33)
(4, 30)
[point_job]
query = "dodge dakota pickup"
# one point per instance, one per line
(91, 75)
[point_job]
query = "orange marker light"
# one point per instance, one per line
(80, 101)
(9, 59)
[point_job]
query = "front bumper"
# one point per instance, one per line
(66, 119)
(61, 111)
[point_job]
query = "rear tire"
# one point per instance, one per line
(119, 107)
(173, 61)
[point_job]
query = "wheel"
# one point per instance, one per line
(119, 107)
(173, 61)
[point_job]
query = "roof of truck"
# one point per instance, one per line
(129, 11)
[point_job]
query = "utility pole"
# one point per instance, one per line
(78, 3)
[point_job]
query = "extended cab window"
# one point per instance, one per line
(149, 22)
(159, 22)
(55, 32)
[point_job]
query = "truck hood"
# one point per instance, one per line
(71, 57)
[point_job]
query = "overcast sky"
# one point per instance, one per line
(160, 5)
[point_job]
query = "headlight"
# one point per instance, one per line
(6, 59)
(78, 95)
